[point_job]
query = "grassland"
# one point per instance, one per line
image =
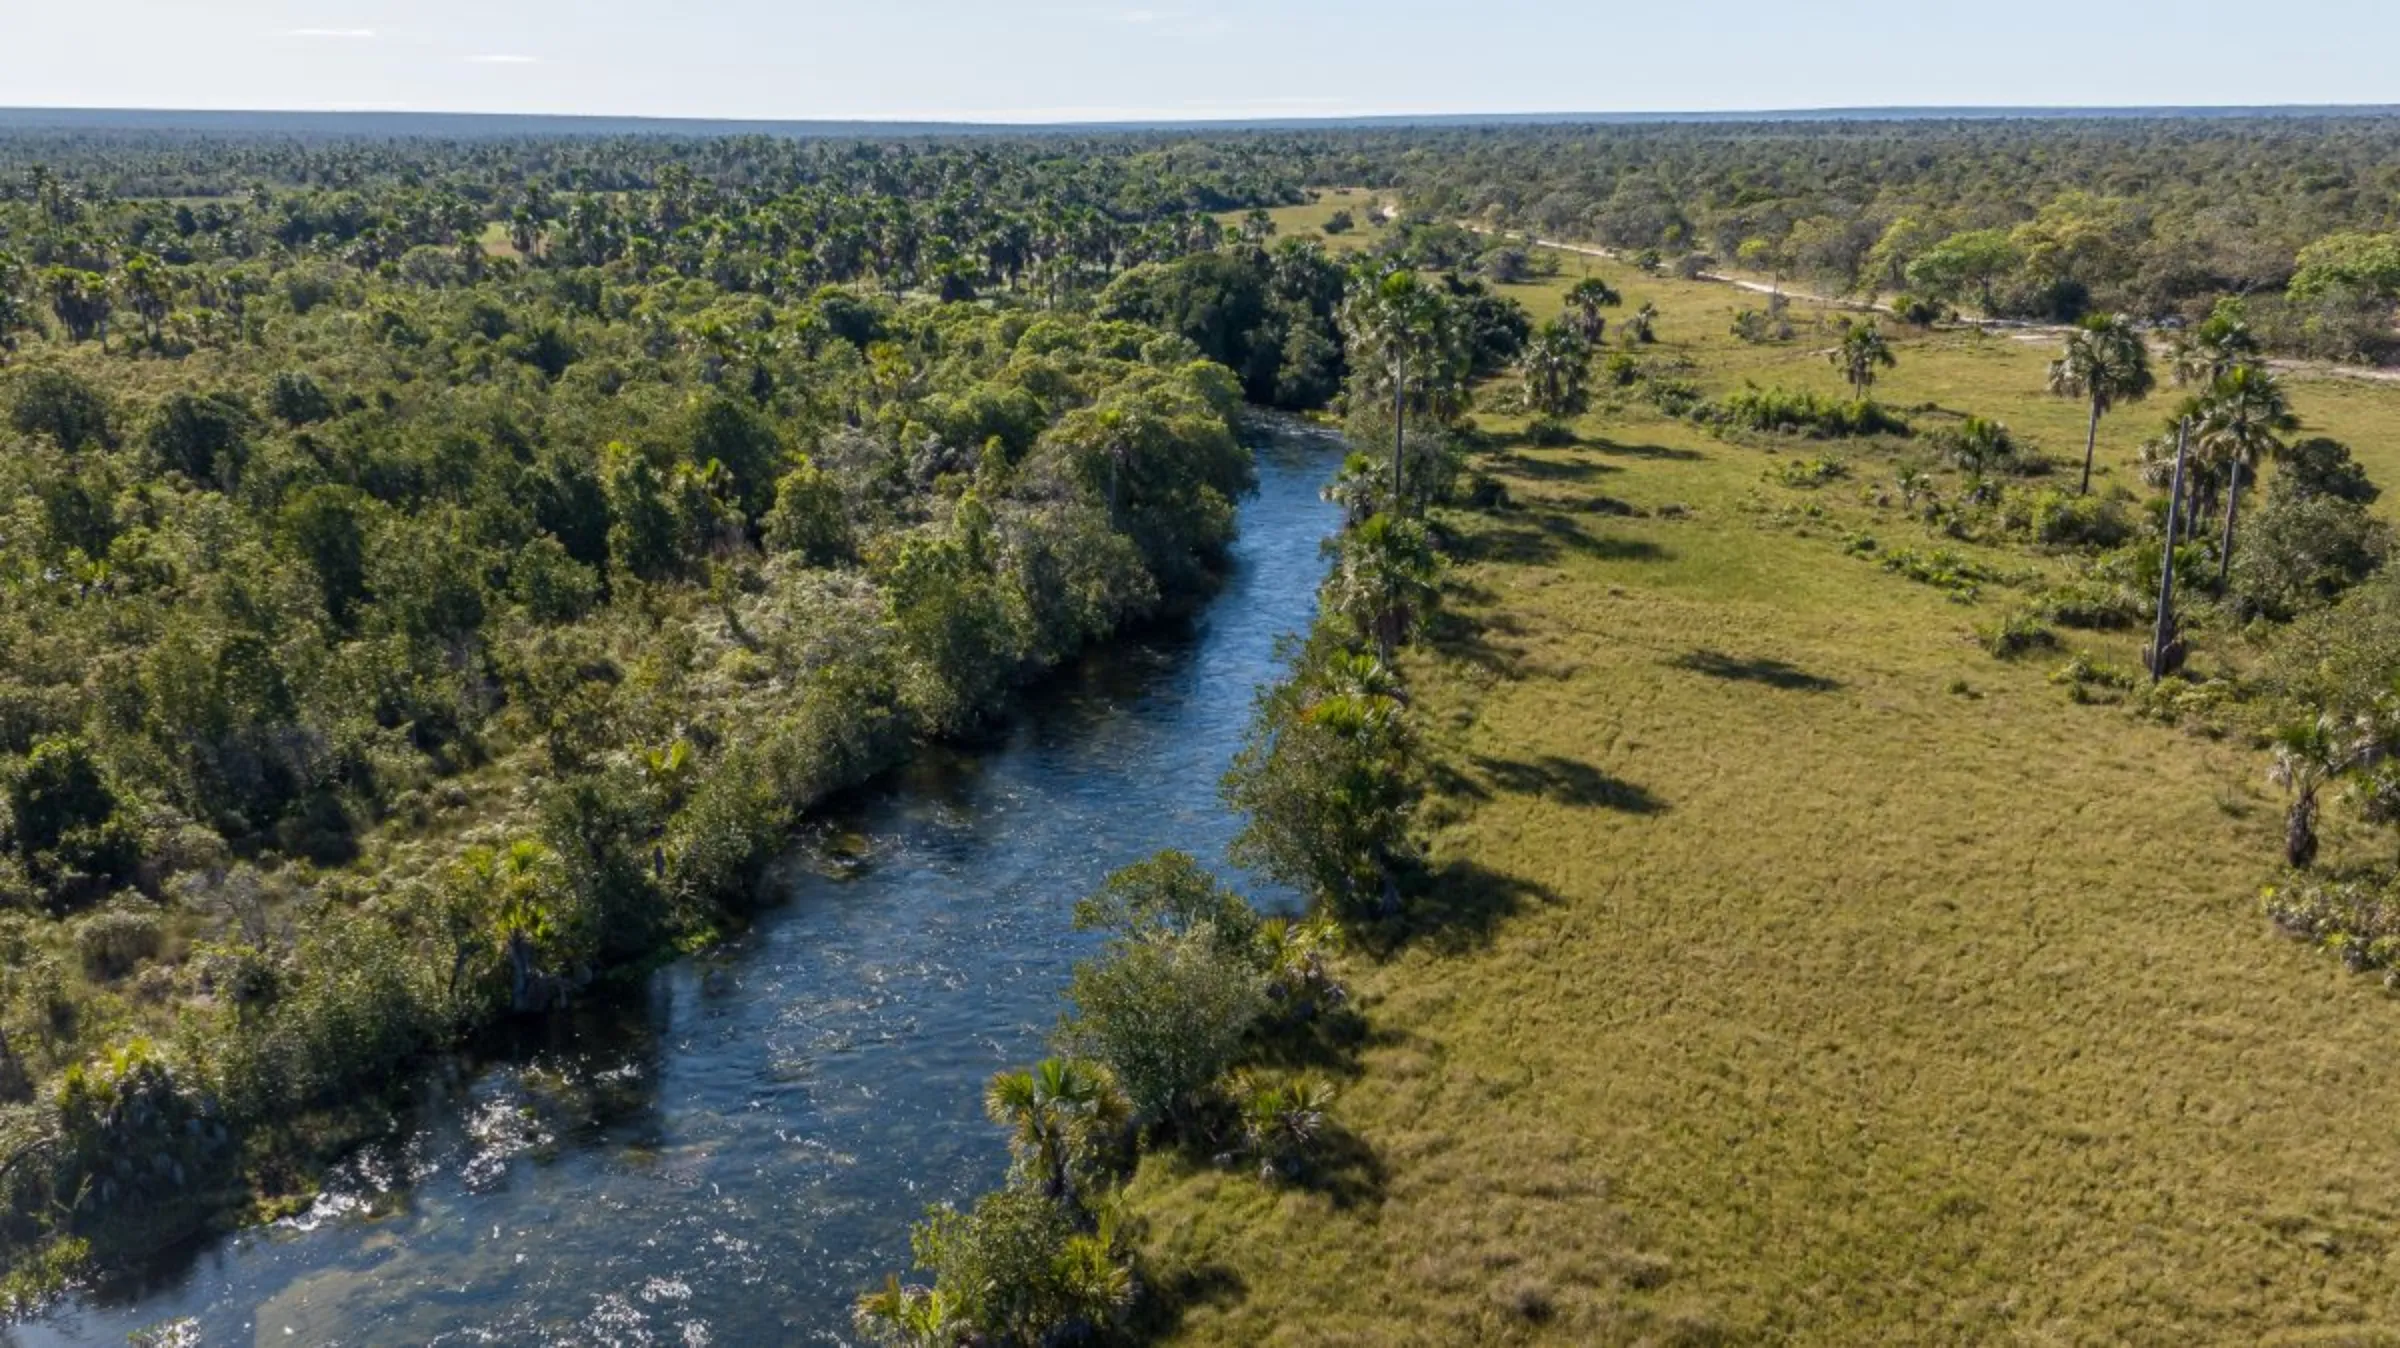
(1800, 973)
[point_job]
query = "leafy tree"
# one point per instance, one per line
(324, 525)
(1967, 263)
(1014, 1269)
(73, 413)
(2319, 466)
(2365, 263)
(809, 517)
(1327, 784)
(64, 821)
(205, 437)
(1166, 1013)
(2105, 363)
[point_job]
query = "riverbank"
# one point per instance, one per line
(741, 1148)
(1800, 973)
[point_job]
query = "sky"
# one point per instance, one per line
(1034, 60)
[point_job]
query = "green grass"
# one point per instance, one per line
(1799, 972)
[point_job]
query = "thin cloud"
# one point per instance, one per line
(503, 59)
(354, 34)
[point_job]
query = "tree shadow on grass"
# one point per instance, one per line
(1452, 910)
(1168, 1295)
(1666, 452)
(1568, 782)
(1754, 669)
(1550, 537)
(1328, 1042)
(1343, 1168)
(1467, 639)
(1556, 470)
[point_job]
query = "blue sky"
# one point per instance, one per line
(1031, 60)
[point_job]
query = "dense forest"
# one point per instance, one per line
(436, 577)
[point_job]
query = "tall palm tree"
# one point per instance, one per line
(2104, 363)
(2241, 423)
(1863, 350)
(1404, 338)
(1585, 301)
(1058, 1111)
(1555, 369)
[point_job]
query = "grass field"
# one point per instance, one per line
(1799, 972)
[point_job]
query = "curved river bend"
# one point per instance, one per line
(736, 1155)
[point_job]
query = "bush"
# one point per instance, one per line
(2356, 917)
(1920, 312)
(1810, 473)
(2015, 635)
(111, 941)
(1789, 412)
(2299, 552)
(1166, 1013)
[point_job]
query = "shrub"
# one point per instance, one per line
(112, 940)
(2299, 552)
(2015, 635)
(2091, 605)
(1960, 577)
(1013, 1269)
(2061, 520)
(2356, 917)
(1789, 412)
(1166, 1013)
(1810, 473)
(1920, 312)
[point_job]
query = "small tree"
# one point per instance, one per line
(2308, 755)
(1861, 353)
(1555, 371)
(1061, 1115)
(1585, 300)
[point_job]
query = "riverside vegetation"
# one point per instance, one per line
(440, 576)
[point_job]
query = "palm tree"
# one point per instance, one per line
(1642, 328)
(1862, 351)
(1386, 581)
(1404, 340)
(1555, 369)
(1280, 1119)
(2215, 349)
(2105, 363)
(2241, 423)
(1585, 301)
(908, 1317)
(1060, 1111)
(2309, 754)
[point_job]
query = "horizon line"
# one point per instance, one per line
(18, 116)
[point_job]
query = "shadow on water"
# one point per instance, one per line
(1758, 669)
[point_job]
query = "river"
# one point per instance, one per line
(731, 1157)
